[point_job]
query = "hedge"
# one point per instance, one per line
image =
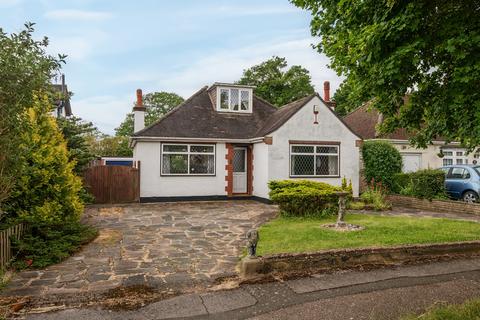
(381, 162)
(304, 197)
(424, 184)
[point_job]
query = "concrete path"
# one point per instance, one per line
(169, 247)
(377, 294)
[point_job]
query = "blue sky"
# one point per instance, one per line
(115, 47)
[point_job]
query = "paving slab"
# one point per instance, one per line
(350, 278)
(223, 301)
(178, 307)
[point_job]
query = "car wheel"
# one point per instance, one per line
(470, 197)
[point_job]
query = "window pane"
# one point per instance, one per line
(447, 153)
(457, 173)
(235, 99)
(326, 149)
(195, 148)
(175, 148)
(239, 160)
(245, 101)
(224, 97)
(327, 166)
(459, 161)
(202, 163)
(175, 164)
(459, 153)
(302, 165)
(447, 162)
(302, 149)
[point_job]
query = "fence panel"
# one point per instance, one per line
(113, 184)
(15, 232)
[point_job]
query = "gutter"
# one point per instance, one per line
(133, 140)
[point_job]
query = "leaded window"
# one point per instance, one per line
(188, 159)
(234, 100)
(314, 160)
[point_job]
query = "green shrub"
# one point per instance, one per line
(375, 198)
(356, 205)
(381, 162)
(424, 184)
(47, 243)
(304, 197)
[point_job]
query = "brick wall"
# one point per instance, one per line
(229, 169)
(435, 205)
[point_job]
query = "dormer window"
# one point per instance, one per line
(234, 99)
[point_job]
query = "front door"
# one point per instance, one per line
(240, 170)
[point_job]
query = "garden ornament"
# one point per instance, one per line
(252, 240)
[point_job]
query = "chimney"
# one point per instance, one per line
(139, 113)
(326, 91)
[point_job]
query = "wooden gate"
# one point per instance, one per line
(113, 184)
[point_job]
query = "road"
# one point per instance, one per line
(377, 294)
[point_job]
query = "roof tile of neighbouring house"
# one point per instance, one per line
(363, 122)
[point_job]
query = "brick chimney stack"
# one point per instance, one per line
(326, 91)
(139, 113)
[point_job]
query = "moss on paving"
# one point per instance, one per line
(284, 234)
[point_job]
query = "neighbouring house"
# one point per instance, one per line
(224, 142)
(363, 122)
(62, 106)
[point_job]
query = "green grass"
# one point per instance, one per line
(284, 234)
(470, 310)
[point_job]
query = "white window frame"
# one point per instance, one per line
(230, 107)
(315, 154)
(188, 153)
(454, 156)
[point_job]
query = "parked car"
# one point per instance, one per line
(463, 182)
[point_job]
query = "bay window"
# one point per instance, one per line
(314, 160)
(188, 159)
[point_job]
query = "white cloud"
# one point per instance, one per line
(77, 47)
(228, 65)
(71, 14)
(106, 112)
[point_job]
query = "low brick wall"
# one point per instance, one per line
(435, 205)
(303, 263)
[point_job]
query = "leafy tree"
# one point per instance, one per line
(108, 146)
(428, 49)
(277, 84)
(47, 190)
(157, 105)
(77, 133)
(25, 67)
(348, 97)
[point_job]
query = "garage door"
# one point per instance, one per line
(411, 162)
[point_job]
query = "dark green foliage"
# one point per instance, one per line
(76, 133)
(381, 162)
(46, 244)
(277, 84)
(428, 49)
(304, 197)
(349, 96)
(424, 184)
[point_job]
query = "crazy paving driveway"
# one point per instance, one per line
(170, 246)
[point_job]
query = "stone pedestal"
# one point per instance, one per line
(250, 267)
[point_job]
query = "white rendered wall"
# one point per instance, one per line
(138, 120)
(152, 184)
(301, 127)
(260, 170)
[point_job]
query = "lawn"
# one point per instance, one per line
(284, 235)
(470, 310)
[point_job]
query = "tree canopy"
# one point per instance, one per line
(157, 104)
(276, 83)
(427, 50)
(25, 67)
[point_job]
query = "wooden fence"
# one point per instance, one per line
(6, 236)
(114, 184)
